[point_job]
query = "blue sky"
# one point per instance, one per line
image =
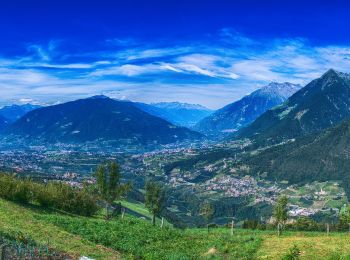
(206, 52)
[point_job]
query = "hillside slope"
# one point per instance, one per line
(134, 238)
(15, 218)
(3, 123)
(319, 157)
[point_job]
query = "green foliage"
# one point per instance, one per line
(108, 184)
(280, 211)
(141, 240)
(55, 195)
(154, 199)
(306, 224)
(21, 224)
(250, 224)
(12, 189)
(207, 211)
(17, 245)
(344, 215)
(293, 254)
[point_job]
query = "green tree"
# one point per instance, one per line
(207, 212)
(344, 217)
(281, 213)
(108, 184)
(154, 199)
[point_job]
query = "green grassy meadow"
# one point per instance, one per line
(135, 238)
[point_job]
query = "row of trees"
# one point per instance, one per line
(55, 195)
(280, 219)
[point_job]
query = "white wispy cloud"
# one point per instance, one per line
(212, 72)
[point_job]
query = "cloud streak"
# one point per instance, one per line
(213, 72)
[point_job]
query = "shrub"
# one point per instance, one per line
(44, 195)
(250, 224)
(293, 254)
(22, 192)
(63, 197)
(305, 224)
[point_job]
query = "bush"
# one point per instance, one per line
(61, 196)
(250, 224)
(293, 254)
(305, 224)
(22, 192)
(44, 195)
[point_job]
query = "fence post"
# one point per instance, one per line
(2, 252)
(232, 223)
(162, 223)
(123, 212)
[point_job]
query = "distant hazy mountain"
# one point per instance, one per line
(98, 118)
(15, 112)
(3, 123)
(181, 114)
(244, 111)
(322, 103)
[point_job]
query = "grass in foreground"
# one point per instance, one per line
(137, 238)
(313, 245)
(18, 219)
(134, 237)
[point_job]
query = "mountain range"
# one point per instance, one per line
(97, 118)
(322, 103)
(15, 112)
(181, 114)
(244, 111)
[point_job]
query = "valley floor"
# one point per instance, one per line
(134, 237)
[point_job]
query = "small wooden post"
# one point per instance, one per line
(3, 252)
(232, 223)
(327, 226)
(162, 223)
(48, 242)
